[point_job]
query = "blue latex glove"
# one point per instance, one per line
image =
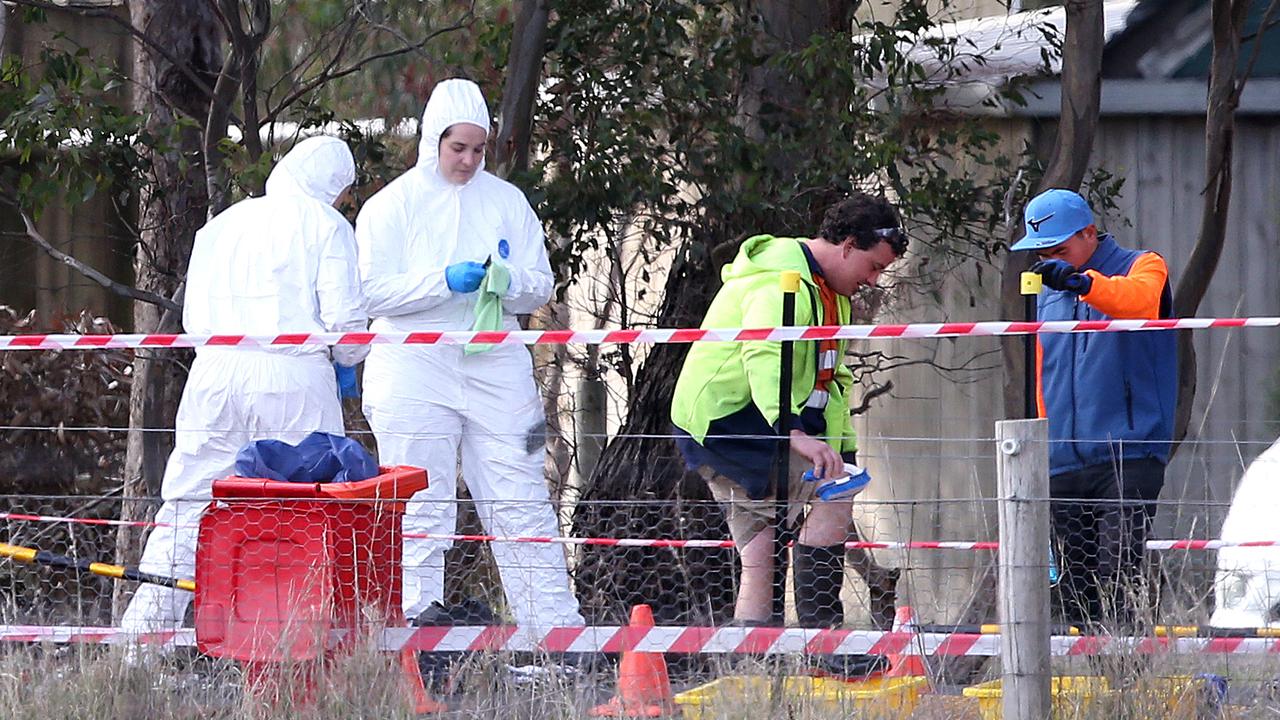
(464, 277)
(1063, 276)
(347, 386)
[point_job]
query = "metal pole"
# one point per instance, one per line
(782, 532)
(1022, 474)
(33, 556)
(1030, 287)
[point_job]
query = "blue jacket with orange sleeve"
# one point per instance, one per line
(1109, 396)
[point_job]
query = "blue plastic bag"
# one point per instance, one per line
(319, 458)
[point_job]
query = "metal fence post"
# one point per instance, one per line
(1022, 471)
(783, 532)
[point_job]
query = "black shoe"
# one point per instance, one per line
(848, 667)
(437, 668)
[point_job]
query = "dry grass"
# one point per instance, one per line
(93, 683)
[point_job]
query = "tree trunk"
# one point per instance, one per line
(1228, 18)
(173, 207)
(639, 487)
(524, 71)
(1081, 84)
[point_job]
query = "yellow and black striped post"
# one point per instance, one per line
(33, 556)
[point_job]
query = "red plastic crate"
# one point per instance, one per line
(279, 565)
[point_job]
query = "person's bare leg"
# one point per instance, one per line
(755, 585)
(827, 523)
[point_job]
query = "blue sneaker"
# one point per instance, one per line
(851, 482)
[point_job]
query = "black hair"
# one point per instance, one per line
(859, 217)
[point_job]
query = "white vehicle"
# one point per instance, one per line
(1247, 586)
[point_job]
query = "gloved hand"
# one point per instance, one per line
(347, 385)
(464, 277)
(499, 279)
(1063, 276)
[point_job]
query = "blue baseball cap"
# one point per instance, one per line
(1052, 217)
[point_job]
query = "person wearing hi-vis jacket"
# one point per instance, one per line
(726, 413)
(448, 246)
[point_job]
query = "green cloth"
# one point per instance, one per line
(489, 304)
(720, 378)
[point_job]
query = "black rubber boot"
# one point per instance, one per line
(819, 576)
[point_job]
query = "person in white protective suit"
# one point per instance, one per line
(1247, 586)
(427, 242)
(281, 263)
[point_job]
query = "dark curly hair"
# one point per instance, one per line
(859, 216)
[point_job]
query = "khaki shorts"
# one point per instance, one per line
(748, 517)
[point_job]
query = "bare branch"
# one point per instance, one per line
(1255, 51)
(870, 395)
(302, 66)
(216, 129)
(326, 77)
(89, 272)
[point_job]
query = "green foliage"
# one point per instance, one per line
(64, 133)
(644, 129)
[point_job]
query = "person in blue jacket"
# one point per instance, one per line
(1109, 399)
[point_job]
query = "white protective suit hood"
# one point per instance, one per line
(284, 262)
(452, 102)
(318, 167)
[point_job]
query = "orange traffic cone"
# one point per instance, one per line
(909, 663)
(644, 690)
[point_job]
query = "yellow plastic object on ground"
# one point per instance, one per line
(875, 699)
(1072, 696)
(1155, 698)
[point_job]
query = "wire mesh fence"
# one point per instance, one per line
(678, 553)
(921, 535)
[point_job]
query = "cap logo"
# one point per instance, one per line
(1035, 224)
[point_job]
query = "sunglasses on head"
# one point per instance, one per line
(889, 234)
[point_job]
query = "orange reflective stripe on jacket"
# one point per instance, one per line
(828, 350)
(1132, 296)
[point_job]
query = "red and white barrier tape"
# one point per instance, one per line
(596, 337)
(93, 635)
(693, 543)
(712, 544)
(693, 640)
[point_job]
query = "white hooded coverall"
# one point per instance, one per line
(426, 402)
(281, 263)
